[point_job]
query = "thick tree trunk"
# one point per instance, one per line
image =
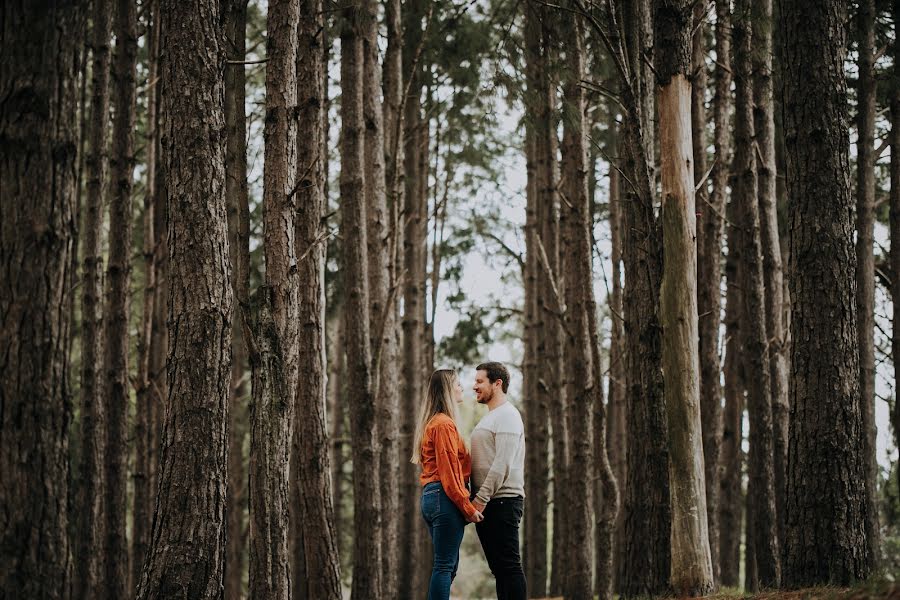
(143, 494)
(237, 196)
(312, 483)
(773, 272)
(761, 485)
(579, 302)
(644, 568)
(38, 170)
(826, 515)
(382, 313)
(536, 448)
(731, 506)
(118, 292)
(187, 549)
(691, 566)
(709, 277)
(360, 398)
(89, 551)
(894, 218)
(865, 266)
(276, 335)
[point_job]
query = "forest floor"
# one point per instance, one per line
(884, 590)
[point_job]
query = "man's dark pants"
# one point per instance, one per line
(499, 536)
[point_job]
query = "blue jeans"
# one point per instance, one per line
(446, 524)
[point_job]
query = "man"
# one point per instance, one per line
(498, 479)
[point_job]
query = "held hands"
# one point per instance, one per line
(476, 518)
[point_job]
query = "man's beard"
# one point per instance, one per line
(485, 398)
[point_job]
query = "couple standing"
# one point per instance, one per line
(496, 466)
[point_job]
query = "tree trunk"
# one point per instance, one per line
(761, 483)
(89, 551)
(645, 565)
(187, 549)
(142, 512)
(826, 516)
(38, 169)
(312, 482)
(360, 398)
(118, 275)
(865, 266)
(579, 302)
(773, 272)
(382, 313)
(274, 361)
(894, 218)
(412, 532)
(709, 277)
(237, 196)
(691, 566)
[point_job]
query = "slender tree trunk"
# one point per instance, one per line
(691, 567)
(313, 477)
(709, 277)
(773, 272)
(142, 512)
(187, 549)
(118, 291)
(865, 266)
(761, 484)
(579, 301)
(826, 511)
(89, 551)
(731, 458)
(237, 196)
(275, 360)
(360, 397)
(537, 468)
(645, 565)
(38, 170)
(337, 372)
(894, 218)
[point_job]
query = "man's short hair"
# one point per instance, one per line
(494, 372)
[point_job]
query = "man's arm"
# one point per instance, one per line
(506, 444)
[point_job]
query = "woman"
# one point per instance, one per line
(446, 466)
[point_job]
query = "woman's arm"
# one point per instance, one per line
(446, 446)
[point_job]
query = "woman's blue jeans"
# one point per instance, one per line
(446, 524)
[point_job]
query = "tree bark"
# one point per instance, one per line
(865, 265)
(142, 512)
(187, 548)
(579, 303)
(894, 223)
(89, 551)
(647, 509)
(761, 484)
(691, 566)
(118, 274)
(38, 170)
(731, 458)
(773, 272)
(237, 195)
(360, 397)
(826, 510)
(312, 480)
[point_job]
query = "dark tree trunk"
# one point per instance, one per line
(537, 446)
(312, 483)
(761, 484)
(645, 565)
(731, 506)
(865, 266)
(38, 170)
(187, 548)
(118, 292)
(579, 301)
(709, 273)
(89, 545)
(895, 225)
(360, 398)
(826, 515)
(237, 196)
(143, 494)
(773, 272)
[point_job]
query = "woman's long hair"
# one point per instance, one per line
(438, 399)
